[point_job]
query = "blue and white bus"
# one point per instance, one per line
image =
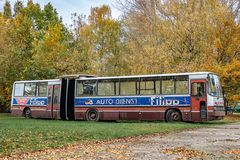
(195, 96)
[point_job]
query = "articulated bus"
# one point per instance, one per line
(195, 97)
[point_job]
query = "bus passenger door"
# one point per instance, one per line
(53, 101)
(198, 100)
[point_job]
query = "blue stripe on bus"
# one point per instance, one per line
(33, 101)
(133, 101)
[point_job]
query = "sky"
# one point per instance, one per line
(66, 7)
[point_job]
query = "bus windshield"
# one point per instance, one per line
(214, 86)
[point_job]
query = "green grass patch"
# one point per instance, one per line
(18, 134)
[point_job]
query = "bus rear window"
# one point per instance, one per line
(18, 89)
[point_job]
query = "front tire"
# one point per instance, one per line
(92, 115)
(173, 115)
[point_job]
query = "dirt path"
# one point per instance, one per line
(221, 142)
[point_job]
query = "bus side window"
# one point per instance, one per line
(128, 87)
(30, 89)
(107, 87)
(198, 89)
(86, 88)
(147, 86)
(18, 89)
(168, 85)
(181, 84)
(42, 89)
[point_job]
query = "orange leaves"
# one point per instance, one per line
(98, 14)
(176, 36)
(232, 118)
(184, 152)
(235, 152)
(231, 79)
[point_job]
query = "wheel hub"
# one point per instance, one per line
(175, 116)
(92, 115)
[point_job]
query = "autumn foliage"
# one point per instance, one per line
(150, 37)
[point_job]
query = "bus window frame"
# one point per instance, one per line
(115, 86)
(188, 85)
(174, 84)
(193, 89)
(152, 79)
(22, 90)
(81, 81)
(36, 88)
(137, 81)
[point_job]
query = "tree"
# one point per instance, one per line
(181, 36)
(28, 38)
(7, 12)
(18, 7)
(5, 62)
(49, 55)
(98, 43)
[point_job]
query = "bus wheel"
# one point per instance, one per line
(173, 115)
(28, 113)
(92, 115)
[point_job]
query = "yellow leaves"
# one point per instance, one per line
(232, 118)
(188, 36)
(53, 35)
(230, 76)
(235, 152)
(99, 14)
(98, 43)
(218, 43)
(184, 152)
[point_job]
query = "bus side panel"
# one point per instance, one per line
(40, 112)
(156, 115)
(37, 105)
(186, 115)
(79, 113)
(132, 113)
(106, 115)
(16, 111)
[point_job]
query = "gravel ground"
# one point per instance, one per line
(219, 142)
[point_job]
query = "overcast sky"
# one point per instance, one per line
(66, 7)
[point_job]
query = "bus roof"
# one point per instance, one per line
(92, 77)
(75, 76)
(150, 75)
(45, 80)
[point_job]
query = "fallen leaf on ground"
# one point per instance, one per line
(232, 152)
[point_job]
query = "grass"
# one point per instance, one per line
(18, 134)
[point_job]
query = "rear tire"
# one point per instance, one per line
(92, 115)
(27, 113)
(173, 115)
